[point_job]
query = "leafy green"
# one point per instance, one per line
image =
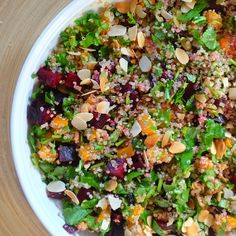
(152, 7)
(209, 39)
(178, 97)
(138, 144)
(91, 222)
(104, 52)
(185, 159)
(37, 91)
(164, 117)
(49, 98)
(67, 106)
(191, 78)
(199, 20)
(144, 215)
(64, 62)
(123, 41)
(131, 18)
(157, 229)
(190, 104)
(190, 135)
(213, 130)
(134, 174)
(90, 39)
(90, 179)
(198, 8)
(75, 214)
(89, 203)
(114, 136)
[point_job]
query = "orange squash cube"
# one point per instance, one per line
(126, 152)
(147, 124)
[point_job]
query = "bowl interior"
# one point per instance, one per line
(34, 189)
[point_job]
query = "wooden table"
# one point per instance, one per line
(21, 21)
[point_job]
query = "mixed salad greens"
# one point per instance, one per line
(133, 119)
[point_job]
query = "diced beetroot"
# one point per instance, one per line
(134, 97)
(126, 88)
(84, 193)
(70, 228)
(116, 230)
(53, 195)
(71, 80)
(48, 77)
(138, 162)
(117, 218)
(233, 179)
(116, 167)
(190, 90)
(99, 120)
(67, 153)
(38, 113)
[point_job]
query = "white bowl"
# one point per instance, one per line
(30, 179)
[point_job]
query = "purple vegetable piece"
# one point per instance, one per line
(131, 198)
(55, 189)
(96, 76)
(233, 179)
(134, 96)
(116, 230)
(71, 80)
(67, 153)
(99, 120)
(116, 167)
(168, 75)
(112, 67)
(117, 218)
(189, 91)
(59, 195)
(70, 228)
(138, 162)
(38, 113)
(48, 77)
(126, 88)
(84, 193)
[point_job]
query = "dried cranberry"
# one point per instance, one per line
(162, 224)
(48, 77)
(71, 80)
(38, 113)
(138, 162)
(99, 120)
(67, 153)
(116, 167)
(112, 67)
(84, 193)
(70, 228)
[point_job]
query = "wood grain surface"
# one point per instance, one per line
(21, 21)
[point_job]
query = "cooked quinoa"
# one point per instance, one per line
(133, 119)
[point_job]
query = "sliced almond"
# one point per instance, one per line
(132, 32)
(184, 8)
(72, 196)
(84, 74)
(180, 116)
(182, 56)
(213, 149)
(124, 51)
(141, 39)
(84, 107)
(122, 6)
(190, 4)
(103, 81)
(117, 30)
(187, 0)
(201, 98)
(225, 82)
(177, 147)
(86, 116)
(220, 148)
(166, 14)
(74, 53)
(140, 12)
(165, 140)
(124, 64)
(103, 107)
(206, 218)
(232, 93)
(88, 93)
(111, 185)
(145, 64)
(78, 123)
(136, 129)
(86, 82)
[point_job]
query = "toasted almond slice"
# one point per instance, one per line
(91, 65)
(103, 107)
(88, 93)
(181, 116)
(187, 0)
(177, 147)
(191, 4)
(84, 74)
(141, 39)
(166, 14)
(132, 32)
(225, 82)
(115, 202)
(85, 82)
(86, 116)
(74, 53)
(220, 148)
(117, 30)
(122, 6)
(78, 123)
(140, 12)
(184, 8)
(124, 51)
(103, 81)
(145, 64)
(206, 218)
(88, 49)
(165, 140)
(136, 129)
(56, 187)
(84, 107)
(123, 64)
(232, 93)
(182, 56)
(213, 149)
(111, 185)
(145, 157)
(201, 98)
(72, 196)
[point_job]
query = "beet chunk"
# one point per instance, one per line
(116, 230)
(71, 80)
(48, 77)
(138, 162)
(67, 153)
(116, 167)
(38, 113)
(70, 228)
(84, 193)
(117, 218)
(99, 120)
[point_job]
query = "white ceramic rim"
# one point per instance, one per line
(18, 123)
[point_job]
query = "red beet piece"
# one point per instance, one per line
(99, 120)
(117, 218)
(71, 80)
(48, 77)
(84, 193)
(116, 167)
(138, 162)
(67, 153)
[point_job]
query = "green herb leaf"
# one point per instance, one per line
(157, 229)
(89, 203)
(209, 39)
(90, 179)
(185, 159)
(49, 98)
(67, 106)
(134, 174)
(191, 78)
(131, 18)
(138, 144)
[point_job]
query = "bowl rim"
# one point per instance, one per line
(45, 35)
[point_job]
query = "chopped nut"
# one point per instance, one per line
(190, 227)
(132, 33)
(84, 74)
(124, 64)
(78, 123)
(220, 148)
(117, 30)
(145, 64)
(232, 93)
(85, 82)
(103, 107)
(166, 14)
(111, 185)
(165, 140)
(72, 196)
(206, 218)
(177, 147)
(141, 39)
(122, 6)
(103, 81)
(86, 116)
(201, 98)
(140, 12)
(182, 56)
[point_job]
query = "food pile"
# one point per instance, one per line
(133, 119)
